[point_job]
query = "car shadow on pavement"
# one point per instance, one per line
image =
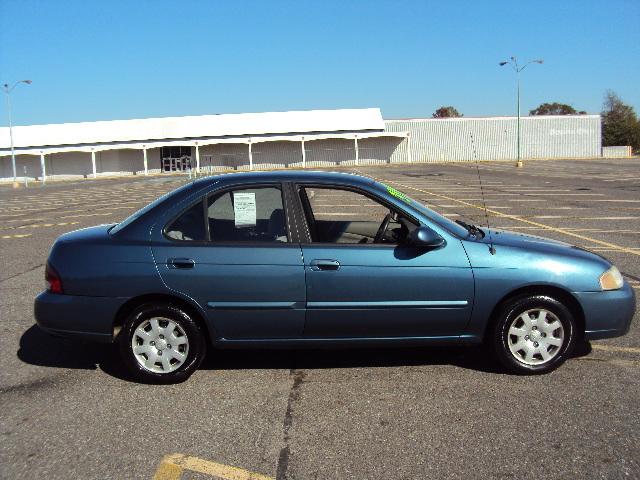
(39, 348)
(473, 358)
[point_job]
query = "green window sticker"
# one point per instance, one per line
(397, 194)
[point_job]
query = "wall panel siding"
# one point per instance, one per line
(276, 154)
(465, 139)
(330, 152)
(616, 152)
(223, 156)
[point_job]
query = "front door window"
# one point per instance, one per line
(347, 217)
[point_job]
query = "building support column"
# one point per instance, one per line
(43, 168)
(197, 158)
(144, 156)
(93, 163)
(355, 143)
(409, 159)
(250, 156)
(304, 154)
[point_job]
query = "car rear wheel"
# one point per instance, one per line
(161, 343)
(533, 334)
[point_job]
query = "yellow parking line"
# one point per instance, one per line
(40, 225)
(6, 237)
(613, 348)
(173, 465)
(613, 361)
(520, 219)
(88, 215)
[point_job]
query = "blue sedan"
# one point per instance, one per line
(298, 259)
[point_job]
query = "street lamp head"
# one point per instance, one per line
(502, 64)
(540, 61)
(28, 82)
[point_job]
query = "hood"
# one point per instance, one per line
(504, 238)
(516, 239)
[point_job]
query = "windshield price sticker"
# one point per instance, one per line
(244, 209)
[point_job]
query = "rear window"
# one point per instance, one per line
(132, 218)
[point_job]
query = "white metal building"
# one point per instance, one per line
(495, 138)
(284, 139)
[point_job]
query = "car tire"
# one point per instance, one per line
(161, 343)
(533, 334)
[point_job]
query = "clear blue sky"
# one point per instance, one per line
(112, 59)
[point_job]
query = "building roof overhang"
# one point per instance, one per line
(192, 127)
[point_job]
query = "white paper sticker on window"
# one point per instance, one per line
(244, 209)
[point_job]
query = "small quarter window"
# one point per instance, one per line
(189, 226)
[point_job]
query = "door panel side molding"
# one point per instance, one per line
(255, 305)
(392, 304)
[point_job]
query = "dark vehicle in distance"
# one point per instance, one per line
(297, 259)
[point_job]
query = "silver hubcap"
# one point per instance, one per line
(535, 336)
(160, 345)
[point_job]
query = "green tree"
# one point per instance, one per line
(620, 125)
(554, 108)
(446, 112)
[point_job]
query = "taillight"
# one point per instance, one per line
(54, 284)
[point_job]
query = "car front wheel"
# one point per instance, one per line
(534, 334)
(161, 343)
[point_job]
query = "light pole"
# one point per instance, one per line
(8, 90)
(517, 68)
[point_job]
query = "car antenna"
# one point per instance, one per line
(492, 249)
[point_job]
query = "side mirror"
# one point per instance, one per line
(424, 237)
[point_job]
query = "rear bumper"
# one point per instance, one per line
(607, 314)
(86, 318)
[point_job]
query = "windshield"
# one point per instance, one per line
(432, 215)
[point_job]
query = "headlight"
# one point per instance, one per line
(611, 279)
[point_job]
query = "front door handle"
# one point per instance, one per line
(324, 265)
(180, 263)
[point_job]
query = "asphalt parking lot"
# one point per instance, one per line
(69, 411)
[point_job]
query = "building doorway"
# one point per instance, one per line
(175, 159)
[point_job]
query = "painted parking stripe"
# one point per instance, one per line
(173, 465)
(7, 237)
(612, 361)
(40, 225)
(613, 348)
(88, 215)
(565, 217)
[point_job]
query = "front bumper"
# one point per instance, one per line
(607, 314)
(87, 318)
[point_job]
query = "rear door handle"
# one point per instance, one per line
(324, 265)
(180, 263)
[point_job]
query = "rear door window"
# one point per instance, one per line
(247, 215)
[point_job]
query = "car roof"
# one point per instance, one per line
(341, 178)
